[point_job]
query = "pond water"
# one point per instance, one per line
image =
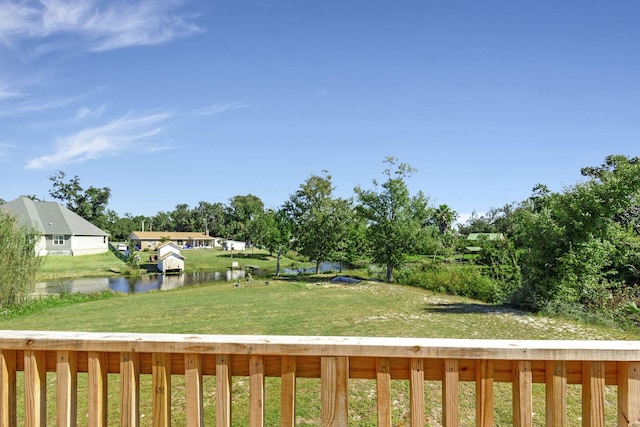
(145, 283)
(158, 282)
(325, 267)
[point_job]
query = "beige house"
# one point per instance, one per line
(62, 231)
(185, 240)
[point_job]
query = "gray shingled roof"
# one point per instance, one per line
(50, 218)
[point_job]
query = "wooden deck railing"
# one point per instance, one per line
(594, 365)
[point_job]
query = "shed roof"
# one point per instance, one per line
(50, 218)
(487, 236)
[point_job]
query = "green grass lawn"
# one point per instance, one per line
(309, 305)
(314, 306)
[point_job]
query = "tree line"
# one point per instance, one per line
(577, 250)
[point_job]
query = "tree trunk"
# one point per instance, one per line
(278, 263)
(389, 273)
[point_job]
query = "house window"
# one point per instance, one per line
(58, 239)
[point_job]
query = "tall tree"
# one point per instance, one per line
(444, 218)
(242, 210)
(183, 218)
(393, 222)
(90, 204)
(318, 220)
(271, 230)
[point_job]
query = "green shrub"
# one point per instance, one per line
(18, 263)
(456, 279)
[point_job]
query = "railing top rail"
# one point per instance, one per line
(322, 346)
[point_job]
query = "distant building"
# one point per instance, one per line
(184, 240)
(479, 238)
(62, 231)
(169, 258)
(233, 245)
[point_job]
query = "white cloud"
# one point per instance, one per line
(92, 25)
(84, 112)
(108, 140)
(219, 108)
(6, 93)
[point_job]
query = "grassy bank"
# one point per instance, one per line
(312, 307)
(107, 264)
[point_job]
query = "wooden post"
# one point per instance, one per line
(416, 400)
(288, 375)
(628, 394)
(129, 389)
(223, 390)
(484, 394)
(256, 390)
(556, 393)
(67, 388)
(450, 393)
(593, 384)
(383, 386)
(35, 388)
(8, 388)
(98, 389)
(193, 389)
(333, 391)
(522, 394)
(161, 386)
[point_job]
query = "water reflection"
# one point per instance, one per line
(145, 283)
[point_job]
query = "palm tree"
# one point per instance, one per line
(444, 217)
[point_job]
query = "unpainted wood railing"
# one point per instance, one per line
(334, 360)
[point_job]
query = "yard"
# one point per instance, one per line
(315, 306)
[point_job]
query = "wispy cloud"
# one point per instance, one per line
(219, 108)
(108, 140)
(36, 105)
(84, 112)
(92, 25)
(6, 93)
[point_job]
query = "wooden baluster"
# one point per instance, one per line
(333, 391)
(35, 388)
(161, 386)
(130, 389)
(98, 389)
(450, 393)
(193, 389)
(593, 384)
(67, 388)
(628, 394)
(522, 394)
(383, 386)
(223, 391)
(416, 400)
(556, 393)
(256, 390)
(8, 388)
(484, 393)
(288, 391)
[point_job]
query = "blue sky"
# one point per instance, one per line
(169, 102)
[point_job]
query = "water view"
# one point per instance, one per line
(145, 283)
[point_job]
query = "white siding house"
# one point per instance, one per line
(233, 245)
(62, 231)
(169, 258)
